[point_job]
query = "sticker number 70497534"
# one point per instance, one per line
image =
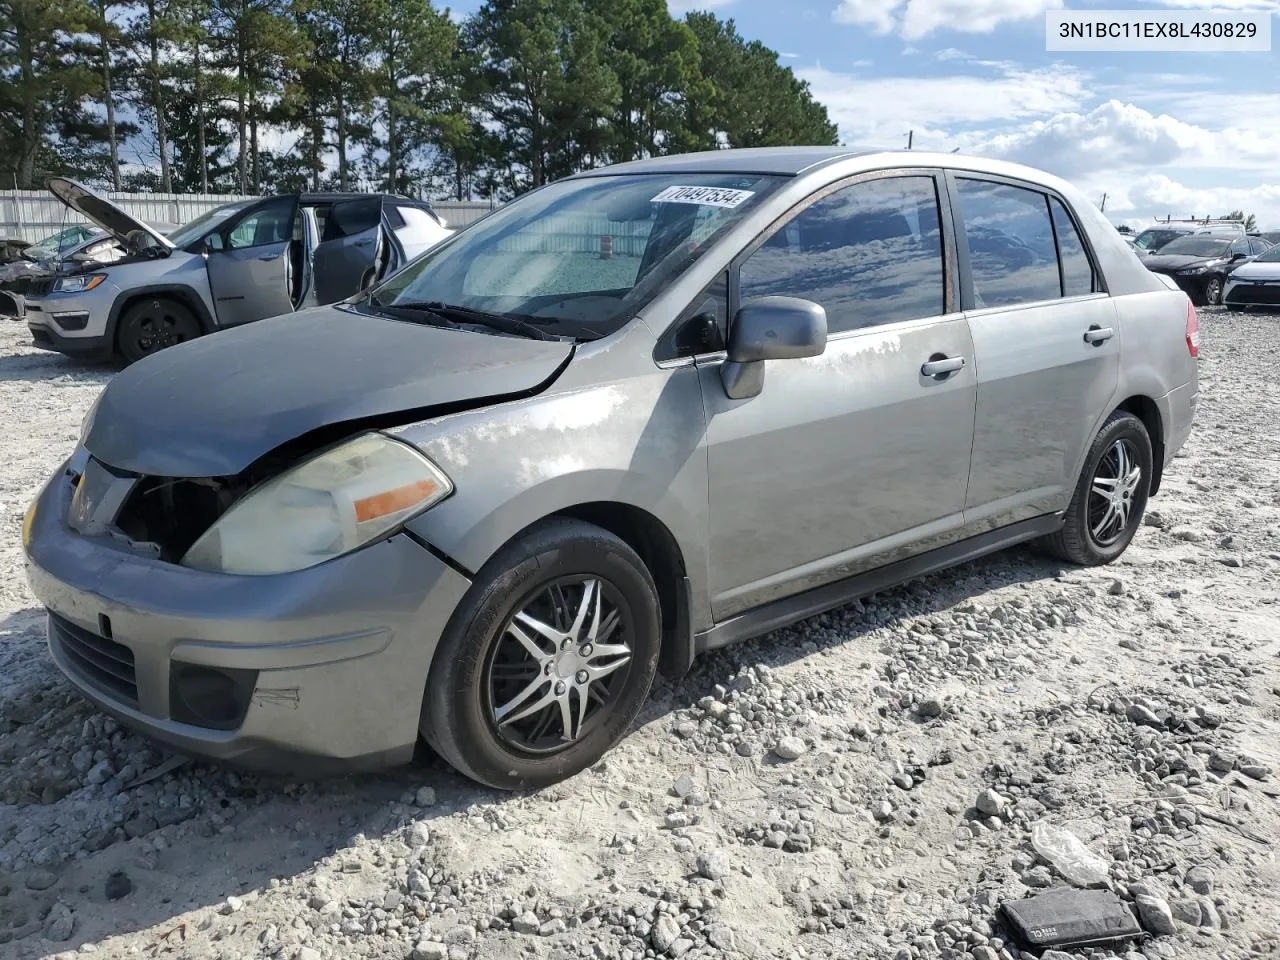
(706, 196)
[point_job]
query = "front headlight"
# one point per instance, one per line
(28, 522)
(330, 505)
(1202, 267)
(79, 284)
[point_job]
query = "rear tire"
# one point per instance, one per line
(1110, 496)
(532, 631)
(151, 325)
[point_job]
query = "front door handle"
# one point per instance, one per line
(1098, 335)
(940, 366)
(271, 256)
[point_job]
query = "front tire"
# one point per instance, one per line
(547, 660)
(151, 325)
(1213, 291)
(1110, 497)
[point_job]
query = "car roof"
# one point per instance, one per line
(780, 161)
(334, 196)
(797, 161)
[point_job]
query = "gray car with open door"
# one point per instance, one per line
(244, 261)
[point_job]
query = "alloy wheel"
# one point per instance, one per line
(1213, 291)
(1116, 481)
(559, 664)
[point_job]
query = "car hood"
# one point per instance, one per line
(102, 211)
(212, 407)
(23, 268)
(1255, 270)
(1176, 261)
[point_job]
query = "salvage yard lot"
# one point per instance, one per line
(1138, 705)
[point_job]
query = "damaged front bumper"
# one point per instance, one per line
(318, 671)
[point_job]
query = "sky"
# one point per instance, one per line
(1159, 133)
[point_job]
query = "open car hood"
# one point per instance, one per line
(214, 406)
(104, 213)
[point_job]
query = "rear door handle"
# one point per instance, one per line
(1098, 335)
(940, 367)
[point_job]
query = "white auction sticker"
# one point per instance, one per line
(706, 196)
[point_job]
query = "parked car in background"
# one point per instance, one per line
(38, 260)
(1271, 236)
(1255, 283)
(1200, 263)
(485, 501)
(1153, 238)
(43, 260)
(240, 262)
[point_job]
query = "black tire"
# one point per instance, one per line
(1213, 288)
(151, 325)
(1077, 541)
(465, 689)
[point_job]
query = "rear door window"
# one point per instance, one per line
(351, 217)
(1012, 255)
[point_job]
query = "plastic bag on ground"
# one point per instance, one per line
(1068, 854)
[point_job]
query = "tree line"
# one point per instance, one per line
(257, 96)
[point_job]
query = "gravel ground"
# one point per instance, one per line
(863, 784)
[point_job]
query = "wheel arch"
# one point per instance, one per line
(1146, 410)
(173, 291)
(658, 548)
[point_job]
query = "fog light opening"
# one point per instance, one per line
(215, 698)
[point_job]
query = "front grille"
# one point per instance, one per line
(1248, 294)
(99, 662)
(40, 286)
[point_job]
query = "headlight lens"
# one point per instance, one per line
(29, 521)
(329, 505)
(79, 284)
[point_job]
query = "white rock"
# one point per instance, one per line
(789, 748)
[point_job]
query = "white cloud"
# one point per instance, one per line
(679, 8)
(1123, 136)
(951, 53)
(881, 109)
(917, 18)
(879, 15)
(1157, 195)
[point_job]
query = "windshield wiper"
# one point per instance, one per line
(413, 312)
(497, 321)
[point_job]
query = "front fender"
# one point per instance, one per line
(638, 441)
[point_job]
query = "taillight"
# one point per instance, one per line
(1193, 330)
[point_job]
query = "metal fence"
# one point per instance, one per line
(33, 214)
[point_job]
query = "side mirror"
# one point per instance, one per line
(770, 328)
(1238, 256)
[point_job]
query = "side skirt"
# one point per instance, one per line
(788, 610)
